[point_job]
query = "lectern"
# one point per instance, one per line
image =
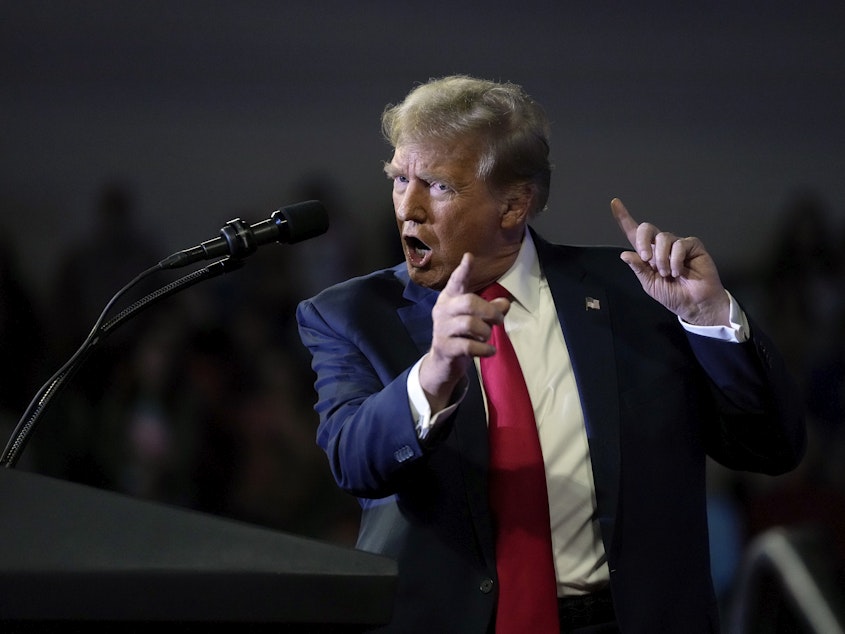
(77, 558)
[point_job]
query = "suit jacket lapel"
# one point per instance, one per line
(584, 313)
(417, 314)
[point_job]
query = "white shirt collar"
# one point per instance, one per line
(522, 279)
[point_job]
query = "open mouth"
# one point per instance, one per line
(417, 251)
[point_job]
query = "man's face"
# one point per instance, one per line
(444, 210)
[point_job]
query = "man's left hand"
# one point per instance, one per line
(677, 272)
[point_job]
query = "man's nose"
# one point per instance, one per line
(411, 205)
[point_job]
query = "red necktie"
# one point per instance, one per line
(518, 496)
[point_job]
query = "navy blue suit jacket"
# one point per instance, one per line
(656, 401)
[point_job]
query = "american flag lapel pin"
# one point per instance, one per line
(592, 303)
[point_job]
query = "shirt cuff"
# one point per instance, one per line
(737, 332)
(424, 419)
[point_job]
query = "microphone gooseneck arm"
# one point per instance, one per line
(20, 436)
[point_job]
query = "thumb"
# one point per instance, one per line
(502, 304)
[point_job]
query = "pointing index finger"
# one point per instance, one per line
(625, 221)
(458, 280)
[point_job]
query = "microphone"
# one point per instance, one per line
(290, 224)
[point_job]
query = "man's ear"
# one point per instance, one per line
(517, 205)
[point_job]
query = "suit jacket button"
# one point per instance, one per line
(486, 586)
(403, 453)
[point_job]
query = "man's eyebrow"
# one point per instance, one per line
(392, 171)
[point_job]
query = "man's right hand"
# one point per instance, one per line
(462, 322)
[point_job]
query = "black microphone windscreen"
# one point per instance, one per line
(304, 220)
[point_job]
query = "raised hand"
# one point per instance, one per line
(462, 322)
(677, 272)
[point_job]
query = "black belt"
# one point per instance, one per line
(595, 608)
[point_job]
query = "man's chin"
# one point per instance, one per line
(425, 276)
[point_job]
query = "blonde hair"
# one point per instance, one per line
(512, 128)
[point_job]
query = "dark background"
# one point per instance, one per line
(134, 129)
(703, 118)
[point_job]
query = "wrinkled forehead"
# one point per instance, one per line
(463, 154)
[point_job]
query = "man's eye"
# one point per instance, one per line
(440, 187)
(401, 179)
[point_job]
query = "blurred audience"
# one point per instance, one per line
(800, 288)
(22, 341)
(94, 268)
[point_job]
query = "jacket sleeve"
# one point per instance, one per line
(366, 427)
(761, 425)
